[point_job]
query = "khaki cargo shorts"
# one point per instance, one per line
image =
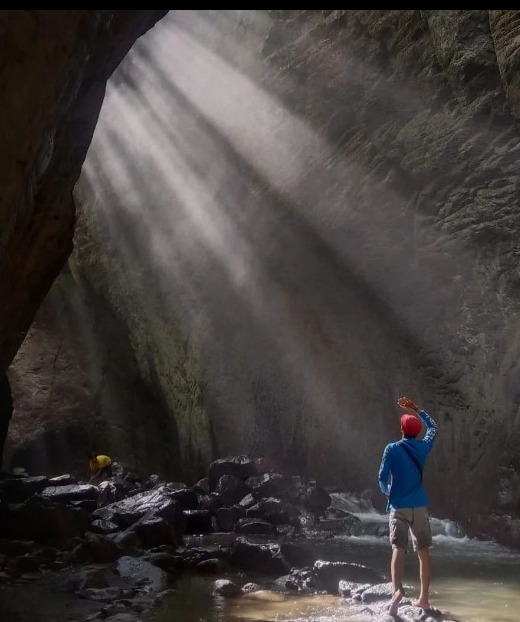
(413, 520)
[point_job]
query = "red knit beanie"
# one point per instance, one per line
(410, 425)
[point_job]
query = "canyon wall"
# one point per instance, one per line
(285, 220)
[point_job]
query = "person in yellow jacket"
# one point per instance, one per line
(99, 467)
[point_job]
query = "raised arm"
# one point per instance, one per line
(408, 404)
(384, 471)
(431, 426)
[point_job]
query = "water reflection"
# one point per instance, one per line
(474, 581)
(194, 603)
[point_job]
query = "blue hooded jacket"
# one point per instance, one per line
(405, 489)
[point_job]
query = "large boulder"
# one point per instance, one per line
(263, 558)
(43, 522)
(326, 575)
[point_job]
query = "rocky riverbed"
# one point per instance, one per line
(113, 551)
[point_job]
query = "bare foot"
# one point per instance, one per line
(422, 604)
(394, 605)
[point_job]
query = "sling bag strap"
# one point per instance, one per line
(412, 458)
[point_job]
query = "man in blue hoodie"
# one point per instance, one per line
(402, 463)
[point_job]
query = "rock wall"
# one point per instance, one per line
(291, 217)
(55, 65)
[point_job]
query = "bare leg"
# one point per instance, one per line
(425, 576)
(397, 572)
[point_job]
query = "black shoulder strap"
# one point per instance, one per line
(412, 458)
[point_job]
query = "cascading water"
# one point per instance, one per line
(373, 522)
(475, 581)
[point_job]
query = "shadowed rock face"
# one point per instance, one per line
(55, 65)
(376, 153)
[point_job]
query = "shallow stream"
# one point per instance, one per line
(474, 581)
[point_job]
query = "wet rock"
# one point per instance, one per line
(287, 583)
(381, 591)
(211, 502)
(166, 561)
(173, 514)
(250, 587)
(105, 595)
(154, 480)
(124, 617)
(273, 485)
(68, 493)
(94, 549)
(63, 480)
(103, 526)
(163, 548)
(109, 493)
(45, 523)
(194, 556)
(254, 526)
(139, 571)
(303, 578)
(315, 498)
(17, 490)
(347, 589)
(177, 486)
(264, 558)
(274, 511)
(335, 526)
(227, 517)
(365, 528)
(87, 505)
(87, 577)
(333, 512)
(288, 531)
(126, 541)
(211, 565)
(127, 511)
(153, 531)
(225, 587)
(240, 467)
(327, 575)
(197, 522)
(307, 520)
(231, 489)
(504, 528)
(298, 555)
(118, 607)
(202, 486)
(247, 501)
(187, 498)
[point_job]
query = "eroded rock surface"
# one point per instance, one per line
(333, 220)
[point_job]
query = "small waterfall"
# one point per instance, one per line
(445, 527)
(351, 503)
(374, 523)
(371, 522)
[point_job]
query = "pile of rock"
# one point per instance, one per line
(122, 543)
(236, 496)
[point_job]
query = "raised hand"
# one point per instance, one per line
(406, 402)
